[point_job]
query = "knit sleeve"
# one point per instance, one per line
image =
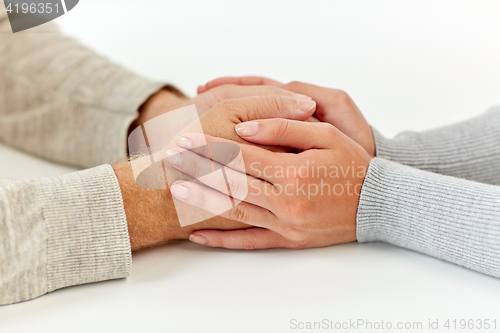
(469, 149)
(62, 231)
(445, 217)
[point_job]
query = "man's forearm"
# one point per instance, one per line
(61, 101)
(151, 215)
(470, 149)
(80, 228)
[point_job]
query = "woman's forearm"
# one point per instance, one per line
(469, 149)
(448, 218)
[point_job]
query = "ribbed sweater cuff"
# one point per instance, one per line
(445, 217)
(88, 237)
(125, 92)
(105, 132)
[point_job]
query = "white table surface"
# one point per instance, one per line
(408, 65)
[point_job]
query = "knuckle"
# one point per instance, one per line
(277, 102)
(235, 108)
(238, 214)
(227, 104)
(201, 200)
(295, 235)
(222, 93)
(213, 97)
(237, 188)
(298, 245)
(341, 96)
(280, 128)
(248, 244)
(216, 242)
(327, 130)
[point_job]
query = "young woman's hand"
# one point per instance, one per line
(300, 200)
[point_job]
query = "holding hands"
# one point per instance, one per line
(294, 200)
(152, 220)
(303, 174)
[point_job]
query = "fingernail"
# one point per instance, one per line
(198, 239)
(174, 157)
(184, 142)
(248, 128)
(180, 192)
(306, 104)
(300, 96)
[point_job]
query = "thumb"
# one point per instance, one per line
(270, 106)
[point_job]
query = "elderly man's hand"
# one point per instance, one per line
(151, 215)
(170, 99)
(221, 119)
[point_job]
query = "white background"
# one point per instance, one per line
(407, 64)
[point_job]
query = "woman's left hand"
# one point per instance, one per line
(300, 200)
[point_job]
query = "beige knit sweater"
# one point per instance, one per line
(61, 101)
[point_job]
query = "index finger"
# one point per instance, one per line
(241, 81)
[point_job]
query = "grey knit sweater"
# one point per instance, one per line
(452, 218)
